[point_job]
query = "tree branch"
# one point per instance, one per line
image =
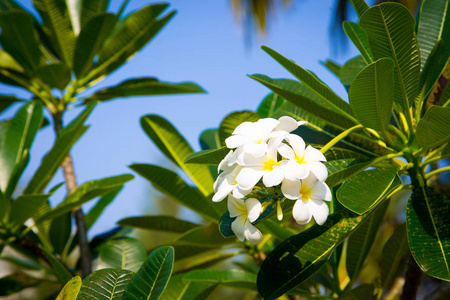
(413, 277)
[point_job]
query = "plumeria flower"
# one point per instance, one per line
(287, 125)
(302, 161)
(266, 167)
(245, 213)
(310, 194)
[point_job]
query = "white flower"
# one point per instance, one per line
(287, 125)
(245, 213)
(302, 161)
(310, 195)
(266, 166)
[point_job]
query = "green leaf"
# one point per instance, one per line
(427, 222)
(19, 137)
(70, 290)
(367, 189)
(275, 229)
(25, 206)
(19, 38)
(204, 261)
(433, 24)
(302, 255)
(171, 184)
(203, 236)
(231, 278)
(332, 66)
(65, 139)
(145, 87)
(60, 231)
(56, 75)
(350, 69)
(16, 282)
(209, 139)
(105, 284)
(362, 292)
(176, 148)
(92, 8)
(87, 191)
(57, 26)
(7, 100)
(360, 6)
(95, 212)
(359, 39)
(208, 157)
(341, 169)
(269, 105)
(124, 253)
(60, 270)
(313, 83)
(151, 280)
(179, 289)
(74, 8)
(233, 120)
(159, 223)
(433, 130)
(361, 240)
(390, 29)
(394, 253)
(138, 29)
(91, 40)
(372, 94)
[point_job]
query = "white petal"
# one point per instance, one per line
(293, 171)
(219, 181)
(291, 189)
(318, 169)
(312, 154)
(286, 151)
(246, 129)
(238, 226)
(236, 207)
(256, 149)
(249, 176)
(266, 126)
(300, 123)
(287, 124)
(223, 165)
(301, 212)
(319, 210)
(274, 177)
(240, 193)
(297, 144)
(222, 192)
(252, 234)
(254, 208)
(236, 141)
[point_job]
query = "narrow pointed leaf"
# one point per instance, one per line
(60, 270)
(209, 139)
(390, 29)
(151, 280)
(230, 278)
(55, 75)
(177, 149)
(171, 184)
(433, 130)
(70, 290)
(145, 87)
(269, 105)
(60, 231)
(360, 6)
(92, 8)
(74, 8)
(208, 157)
(231, 121)
(95, 212)
(367, 189)
(359, 39)
(105, 284)
(394, 252)
(124, 253)
(332, 66)
(204, 236)
(159, 223)
(372, 94)
(25, 206)
(341, 169)
(7, 100)
(427, 222)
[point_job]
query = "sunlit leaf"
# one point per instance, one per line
(230, 278)
(124, 253)
(433, 130)
(159, 223)
(359, 39)
(105, 284)
(231, 121)
(350, 69)
(70, 290)
(269, 105)
(208, 157)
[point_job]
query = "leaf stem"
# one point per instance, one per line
(438, 171)
(434, 159)
(339, 137)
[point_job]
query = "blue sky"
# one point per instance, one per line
(203, 43)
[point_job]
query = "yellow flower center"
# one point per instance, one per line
(269, 164)
(305, 192)
(299, 159)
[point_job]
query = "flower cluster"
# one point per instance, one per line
(266, 155)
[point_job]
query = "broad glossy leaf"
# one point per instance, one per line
(159, 223)
(361, 240)
(16, 282)
(332, 66)
(203, 236)
(124, 253)
(145, 87)
(151, 280)
(25, 206)
(91, 40)
(56, 75)
(299, 257)
(7, 100)
(350, 69)
(390, 29)
(59, 269)
(60, 231)
(359, 39)
(19, 38)
(91, 217)
(230, 278)
(433, 24)
(208, 157)
(92, 8)
(18, 139)
(204, 261)
(65, 139)
(176, 148)
(341, 169)
(427, 222)
(105, 284)
(275, 229)
(231, 121)
(433, 130)
(360, 6)
(209, 139)
(138, 29)
(269, 105)
(70, 290)
(57, 26)
(312, 82)
(394, 252)
(371, 95)
(367, 189)
(171, 184)
(87, 191)
(188, 251)
(179, 289)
